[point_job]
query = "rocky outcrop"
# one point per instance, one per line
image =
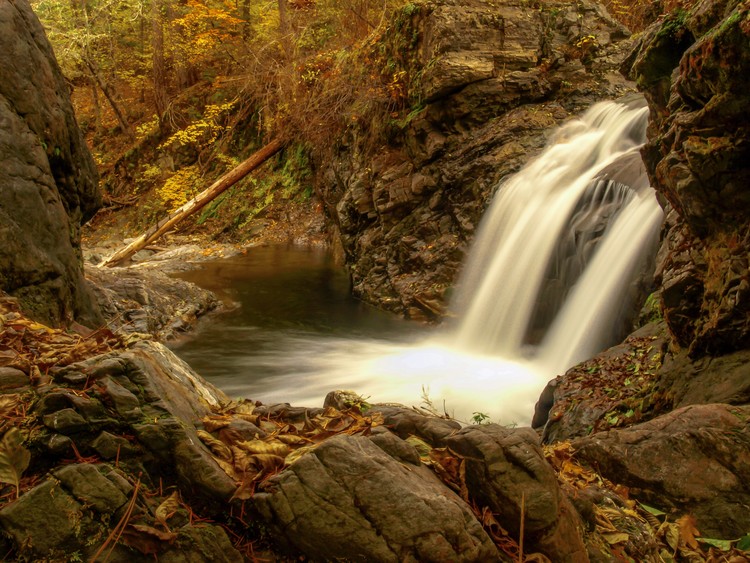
(693, 460)
(486, 82)
(128, 421)
(48, 180)
(348, 499)
(149, 303)
(692, 67)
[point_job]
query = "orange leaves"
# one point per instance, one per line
(252, 461)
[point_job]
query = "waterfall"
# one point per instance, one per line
(550, 281)
(560, 244)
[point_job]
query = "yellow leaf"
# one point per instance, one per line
(265, 448)
(217, 447)
(14, 458)
(167, 509)
(293, 440)
(298, 453)
(673, 536)
(8, 403)
(616, 537)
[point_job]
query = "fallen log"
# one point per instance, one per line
(198, 202)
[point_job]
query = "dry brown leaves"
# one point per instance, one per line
(34, 348)
(250, 462)
(619, 526)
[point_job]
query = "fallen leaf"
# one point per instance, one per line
(213, 423)
(688, 531)
(672, 536)
(422, 447)
(8, 404)
(146, 539)
(265, 448)
(217, 447)
(724, 545)
(298, 453)
(616, 537)
(167, 509)
(14, 458)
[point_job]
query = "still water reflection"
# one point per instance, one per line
(297, 331)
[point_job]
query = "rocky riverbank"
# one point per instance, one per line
(142, 457)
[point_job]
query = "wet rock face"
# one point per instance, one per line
(487, 83)
(48, 180)
(692, 66)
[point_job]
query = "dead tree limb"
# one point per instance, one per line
(198, 202)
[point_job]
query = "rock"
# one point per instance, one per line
(616, 387)
(59, 445)
(109, 446)
(202, 544)
(124, 403)
(65, 421)
(725, 379)
(347, 499)
(43, 520)
(12, 380)
(406, 422)
(505, 470)
(148, 301)
(48, 178)
(90, 487)
(693, 460)
(696, 155)
(486, 83)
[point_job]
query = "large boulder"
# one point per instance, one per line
(486, 82)
(693, 67)
(48, 180)
(693, 460)
(507, 472)
(349, 500)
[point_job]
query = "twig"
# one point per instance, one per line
(114, 535)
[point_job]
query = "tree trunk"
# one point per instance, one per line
(285, 30)
(197, 203)
(159, 66)
(107, 94)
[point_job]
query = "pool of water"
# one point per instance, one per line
(297, 333)
(293, 314)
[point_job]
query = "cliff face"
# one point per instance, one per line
(48, 180)
(693, 68)
(487, 83)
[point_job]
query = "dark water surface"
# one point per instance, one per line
(296, 322)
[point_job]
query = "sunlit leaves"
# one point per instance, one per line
(251, 461)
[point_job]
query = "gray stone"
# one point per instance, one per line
(47, 175)
(123, 401)
(693, 460)
(43, 519)
(59, 445)
(65, 421)
(505, 470)
(109, 446)
(347, 499)
(85, 482)
(406, 422)
(202, 544)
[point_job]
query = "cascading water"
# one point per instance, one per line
(546, 285)
(561, 242)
